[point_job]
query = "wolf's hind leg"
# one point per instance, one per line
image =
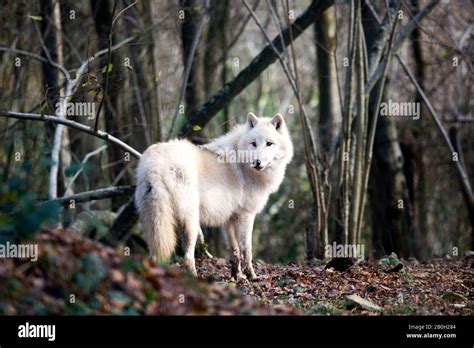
(187, 210)
(190, 236)
(244, 228)
(236, 271)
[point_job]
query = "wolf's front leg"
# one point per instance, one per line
(244, 228)
(235, 269)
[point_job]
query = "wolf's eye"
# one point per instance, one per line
(254, 144)
(269, 143)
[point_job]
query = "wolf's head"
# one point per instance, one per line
(267, 140)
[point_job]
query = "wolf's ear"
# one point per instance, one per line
(278, 122)
(252, 120)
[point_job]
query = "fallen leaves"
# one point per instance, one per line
(75, 275)
(413, 288)
(103, 281)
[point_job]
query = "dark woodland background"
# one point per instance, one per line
(138, 89)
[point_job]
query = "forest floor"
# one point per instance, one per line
(75, 275)
(437, 287)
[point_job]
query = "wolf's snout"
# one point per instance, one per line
(258, 164)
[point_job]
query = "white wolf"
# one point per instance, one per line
(181, 186)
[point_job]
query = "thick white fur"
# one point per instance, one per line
(181, 186)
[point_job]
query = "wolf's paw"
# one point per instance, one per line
(252, 276)
(239, 276)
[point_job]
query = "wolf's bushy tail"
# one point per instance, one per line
(153, 203)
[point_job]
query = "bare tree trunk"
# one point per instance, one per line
(216, 47)
(388, 192)
(360, 139)
(50, 74)
(139, 104)
(219, 13)
(52, 80)
(59, 131)
(156, 126)
(329, 102)
(65, 154)
(453, 136)
(313, 239)
(414, 154)
(344, 179)
(112, 104)
(195, 87)
(224, 50)
(60, 150)
(392, 225)
(330, 113)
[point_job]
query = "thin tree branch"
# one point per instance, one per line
(79, 126)
(94, 195)
(38, 58)
(85, 159)
(120, 13)
(460, 169)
